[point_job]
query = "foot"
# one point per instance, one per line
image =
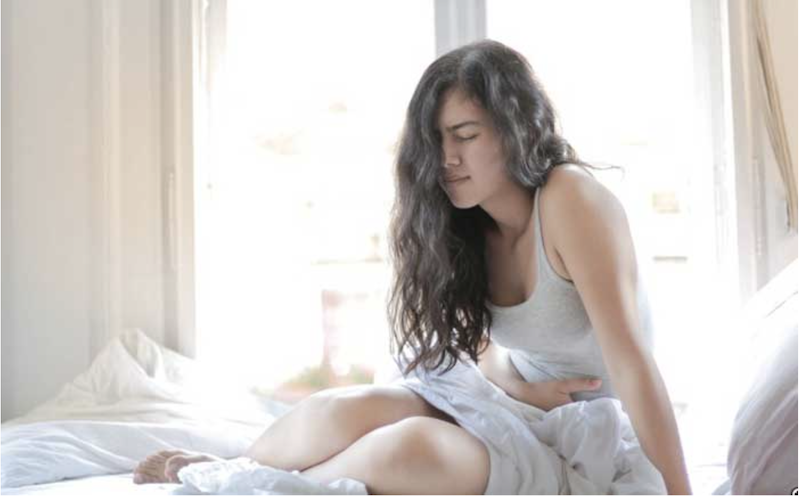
(163, 466)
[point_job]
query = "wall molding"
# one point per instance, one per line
(132, 128)
(107, 291)
(735, 262)
(744, 142)
(179, 62)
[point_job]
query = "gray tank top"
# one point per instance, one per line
(549, 336)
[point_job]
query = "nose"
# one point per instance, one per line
(451, 156)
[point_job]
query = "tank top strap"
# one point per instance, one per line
(541, 257)
(543, 268)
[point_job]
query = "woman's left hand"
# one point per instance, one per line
(547, 395)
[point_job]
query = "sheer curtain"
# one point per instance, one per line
(773, 112)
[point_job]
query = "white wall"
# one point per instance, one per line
(46, 198)
(83, 160)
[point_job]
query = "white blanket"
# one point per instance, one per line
(135, 399)
(585, 447)
(138, 398)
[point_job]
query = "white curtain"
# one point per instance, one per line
(773, 113)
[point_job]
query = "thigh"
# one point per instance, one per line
(385, 404)
(426, 455)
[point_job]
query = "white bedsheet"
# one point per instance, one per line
(135, 399)
(106, 485)
(138, 398)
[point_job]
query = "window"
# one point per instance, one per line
(623, 91)
(292, 226)
(308, 110)
(621, 75)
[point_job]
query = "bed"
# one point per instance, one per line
(138, 397)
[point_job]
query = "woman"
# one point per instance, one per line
(498, 235)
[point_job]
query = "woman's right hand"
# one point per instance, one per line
(547, 395)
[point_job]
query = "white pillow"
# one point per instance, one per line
(762, 456)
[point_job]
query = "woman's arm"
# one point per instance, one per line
(645, 396)
(594, 241)
(496, 366)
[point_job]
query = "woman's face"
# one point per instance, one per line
(473, 154)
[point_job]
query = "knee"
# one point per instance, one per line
(432, 454)
(408, 443)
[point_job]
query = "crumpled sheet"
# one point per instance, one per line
(585, 447)
(243, 476)
(135, 399)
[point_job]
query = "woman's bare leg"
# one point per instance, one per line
(328, 422)
(418, 455)
(317, 428)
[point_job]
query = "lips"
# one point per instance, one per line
(453, 180)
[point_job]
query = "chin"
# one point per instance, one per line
(462, 204)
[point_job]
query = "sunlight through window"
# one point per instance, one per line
(292, 253)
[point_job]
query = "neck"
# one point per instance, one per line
(511, 211)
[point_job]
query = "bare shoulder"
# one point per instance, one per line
(574, 199)
(567, 178)
(571, 187)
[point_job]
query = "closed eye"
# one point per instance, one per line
(467, 138)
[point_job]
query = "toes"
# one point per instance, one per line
(156, 458)
(174, 464)
(169, 453)
(152, 469)
(141, 478)
(149, 472)
(162, 455)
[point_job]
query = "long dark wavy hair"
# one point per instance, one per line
(437, 300)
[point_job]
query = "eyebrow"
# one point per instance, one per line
(462, 124)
